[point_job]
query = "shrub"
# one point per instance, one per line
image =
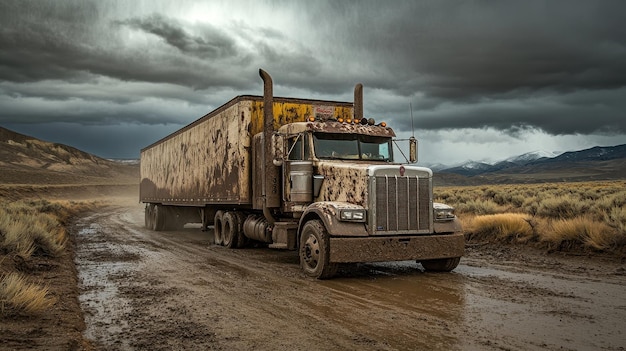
(600, 203)
(478, 207)
(514, 227)
(566, 233)
(29, 234)
(26, 231)
(616, 218)
(562, 207)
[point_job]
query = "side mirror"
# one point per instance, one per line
(279, 149)
(412, 150)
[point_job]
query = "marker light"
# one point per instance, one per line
(340, 120)
(383, 124)
(311, 119)
(348, 120)
(371, 121)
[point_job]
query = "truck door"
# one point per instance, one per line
(298, 172)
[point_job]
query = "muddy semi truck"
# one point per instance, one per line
(298, 174)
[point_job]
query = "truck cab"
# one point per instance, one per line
(352, 203)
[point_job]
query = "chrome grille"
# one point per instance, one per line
(402, 204)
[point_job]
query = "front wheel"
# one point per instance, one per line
(315, 251)
(441, 265)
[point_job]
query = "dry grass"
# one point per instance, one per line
(30, 230)
(509, 227)
(18, 296)
(581, 230)
(589, 215)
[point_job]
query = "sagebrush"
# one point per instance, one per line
(590, 215)
(30, 230)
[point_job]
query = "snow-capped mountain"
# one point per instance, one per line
(532, 156)
(537, 159)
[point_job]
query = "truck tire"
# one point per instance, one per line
(148, 216)
(218, 228)
(315, 251)
(158, 218)
(441, 265)
(242, 241)
(230, 229)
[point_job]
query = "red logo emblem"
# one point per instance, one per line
(402, 170)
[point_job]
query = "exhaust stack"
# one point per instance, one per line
(358, 102)
(271, 190)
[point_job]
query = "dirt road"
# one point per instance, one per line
(174, 290)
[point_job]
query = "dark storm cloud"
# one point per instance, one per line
(211, 43)
(45, 42)
(581, 112)
(468, 49)
(559, 66)
(513, 66)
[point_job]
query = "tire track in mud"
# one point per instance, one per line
(173, 290)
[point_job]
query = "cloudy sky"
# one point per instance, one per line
(486, 79)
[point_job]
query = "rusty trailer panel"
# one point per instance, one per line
(210, 160)
(208, 163)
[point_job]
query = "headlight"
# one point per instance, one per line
(443, 212)
(352, 215)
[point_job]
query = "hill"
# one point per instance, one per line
(597, 163)
(28, 160)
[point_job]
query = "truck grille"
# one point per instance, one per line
(402, 204)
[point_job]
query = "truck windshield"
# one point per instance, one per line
(351, 147)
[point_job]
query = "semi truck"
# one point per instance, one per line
(311, 176)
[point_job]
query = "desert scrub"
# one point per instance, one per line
(563, 206)
(478, 207)
(18, 296)
(503, 227)
(583, 230)
(27, 231)
(585, 215)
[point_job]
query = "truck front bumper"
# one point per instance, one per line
(396, 248)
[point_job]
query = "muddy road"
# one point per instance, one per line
(176, 291)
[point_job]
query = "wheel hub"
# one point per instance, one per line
(311, 251)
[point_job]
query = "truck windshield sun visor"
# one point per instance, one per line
(352, 147)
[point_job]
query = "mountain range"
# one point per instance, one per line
(596, 163)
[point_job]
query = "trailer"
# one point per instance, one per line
(299, 174)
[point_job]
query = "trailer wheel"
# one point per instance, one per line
(241, 238)
(230, 229)
(218, 229)
(441, 265)
(158, 218)
(148, 216)
(315, 251)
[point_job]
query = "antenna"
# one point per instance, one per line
(412, 140)
(412, 127)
